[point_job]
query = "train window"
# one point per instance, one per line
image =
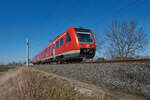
(57, 44)
(68, 37)
(53, 46)
(46, 50)
(43, 53)
(49, 49)
(82, 30)
(61, 41)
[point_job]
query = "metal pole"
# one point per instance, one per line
(27, 52)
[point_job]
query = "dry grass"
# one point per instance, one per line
(32, 85)
(5, 68)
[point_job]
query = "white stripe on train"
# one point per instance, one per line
(65, 53)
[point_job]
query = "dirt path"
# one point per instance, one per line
(6, 76)
(5, 89)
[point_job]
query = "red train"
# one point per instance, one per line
(73, 44)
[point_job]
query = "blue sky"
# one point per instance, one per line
(43, 20)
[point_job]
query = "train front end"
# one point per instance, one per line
(86, 43)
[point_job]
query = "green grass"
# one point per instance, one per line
(5, 68)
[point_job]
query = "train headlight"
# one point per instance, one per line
(81, 45)
(88, 46)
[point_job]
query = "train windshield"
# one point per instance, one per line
(84, 35)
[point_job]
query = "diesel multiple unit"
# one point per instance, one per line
(73, 44)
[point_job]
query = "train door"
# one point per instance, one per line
(68, 42)
(53, 49)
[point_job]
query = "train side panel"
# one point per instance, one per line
(70, 44)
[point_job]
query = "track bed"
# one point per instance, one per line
(129, 78)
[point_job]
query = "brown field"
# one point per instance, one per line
(4, 69)
(29, 84)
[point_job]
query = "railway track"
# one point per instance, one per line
(103, 61)
(117, 61)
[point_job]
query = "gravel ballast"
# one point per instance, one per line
(132, 78)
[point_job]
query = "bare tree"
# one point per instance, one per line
(99, 42)
(125, 39)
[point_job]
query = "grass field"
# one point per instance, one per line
(4, 69)
(29, 84)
